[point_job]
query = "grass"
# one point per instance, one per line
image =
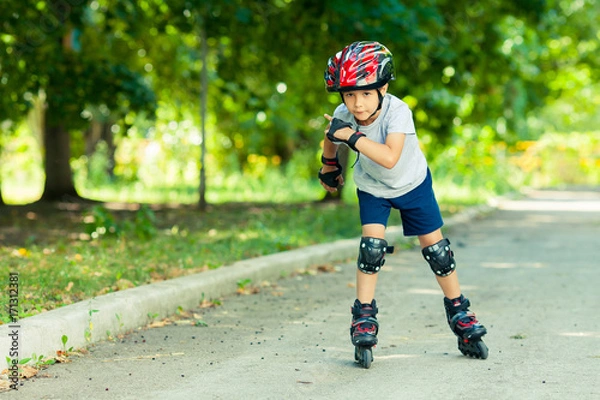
(67, 255)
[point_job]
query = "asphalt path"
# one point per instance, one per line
(531, 270)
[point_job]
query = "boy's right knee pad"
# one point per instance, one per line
(371, 254)
(440, 258)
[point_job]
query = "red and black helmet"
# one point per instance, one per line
(359, 66)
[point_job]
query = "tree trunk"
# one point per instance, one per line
(59, 185)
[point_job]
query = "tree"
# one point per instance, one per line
(458, 63)
(53, 50)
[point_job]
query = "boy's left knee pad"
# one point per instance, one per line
(440, 258)
(371, 254)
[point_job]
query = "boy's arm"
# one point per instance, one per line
(386, 154)
(330, 152)
(329, 148)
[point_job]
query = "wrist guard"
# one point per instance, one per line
(334, 162)
(330, 178)
(336, 125)
(353, 139)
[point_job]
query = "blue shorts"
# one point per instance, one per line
(418, 208)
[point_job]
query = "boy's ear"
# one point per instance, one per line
(383, 89)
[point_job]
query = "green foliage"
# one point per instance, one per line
(242, 283)
(477, 167)
(64, 339)
(467, 66)
(477, 161)
(36, 361)
(144, 223)
(40, 362)
(559, 159)
(21, 174)
(59, 48)
(92, 172)
(101, 222)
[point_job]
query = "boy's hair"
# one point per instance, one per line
(359, 66)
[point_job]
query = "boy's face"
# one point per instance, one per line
(363, 103)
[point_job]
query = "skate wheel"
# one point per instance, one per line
(473, 348)
(483, 350)
(366, 357)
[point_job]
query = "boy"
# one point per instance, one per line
(390, 172)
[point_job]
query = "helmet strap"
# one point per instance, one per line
(380, 96)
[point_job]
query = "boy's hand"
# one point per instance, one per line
(343, 129)
(338, 126)
(331, 177)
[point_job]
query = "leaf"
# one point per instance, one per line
(160, 324)
(28, 371)
(327, 268)
(4, 385)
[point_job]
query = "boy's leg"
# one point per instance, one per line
(364, 327)
(463, 322)
(449, 283)
(365, 286)
(366, 283)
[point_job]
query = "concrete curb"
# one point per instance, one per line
(89, 321)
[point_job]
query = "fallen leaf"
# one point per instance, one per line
(28, 371)
(248, 290)
(62, 357)
(160, 324)
(4, 385)
(207, 304)
(326, 268)
(185, 314)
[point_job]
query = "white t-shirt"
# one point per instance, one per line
(410, 170)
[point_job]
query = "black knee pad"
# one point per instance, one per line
(371, 254)
(440, 258)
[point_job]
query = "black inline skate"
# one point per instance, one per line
(363, 331)
(466, 327)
